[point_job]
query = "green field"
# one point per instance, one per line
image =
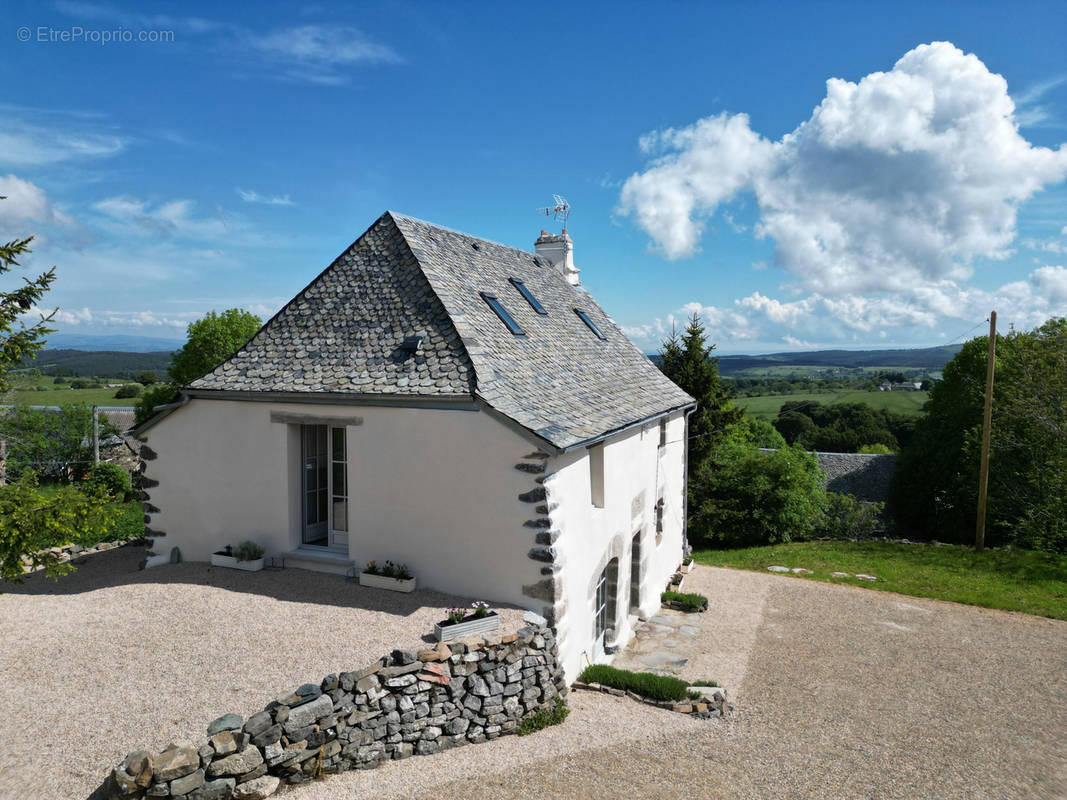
(1010, 579)
(766, 407)
(28, 390)
(812, 372)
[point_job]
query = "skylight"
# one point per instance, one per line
(502, 312)
(592, 325)
(518, 284)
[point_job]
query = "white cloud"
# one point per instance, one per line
(30, 144)
(320, 53)
(1029, 112)
(115, 319)
(251, 196)
(904, 178)
(1049, 246)
(175, 218)
(916, 317)
(26, 202)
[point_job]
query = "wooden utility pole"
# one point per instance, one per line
(987, 425)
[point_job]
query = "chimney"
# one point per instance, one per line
(558, 249)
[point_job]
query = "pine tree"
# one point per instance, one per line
(688, 361)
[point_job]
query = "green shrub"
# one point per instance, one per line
(846, 517)
(156, 395)
(543, 717)
(247, 551)
(646, 684)
(79, 383)
(112, 479)
(129, 524)
(746, 497)
(875, 450)
(128, 390)
(703, 682)
(692, 602)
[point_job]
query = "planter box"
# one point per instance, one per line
(223, 560)
(446, 631)
(385, 582)
(686, 567)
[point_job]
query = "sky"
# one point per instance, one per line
(802, 175)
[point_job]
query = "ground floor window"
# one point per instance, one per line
(600, 608)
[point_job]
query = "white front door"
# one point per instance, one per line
(324, 462)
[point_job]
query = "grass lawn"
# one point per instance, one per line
(766, 407)
(1013, 580)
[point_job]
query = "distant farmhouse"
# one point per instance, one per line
(441, 400)
(907, 386)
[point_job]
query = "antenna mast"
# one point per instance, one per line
(560, 211)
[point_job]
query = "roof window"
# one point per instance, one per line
(502, 312)
(518, 284)
(592, 325)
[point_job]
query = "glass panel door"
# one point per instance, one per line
(315, 495)
(338, 488)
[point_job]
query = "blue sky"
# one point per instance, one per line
(709, 163)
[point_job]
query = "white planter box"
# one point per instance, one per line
(445, 633)
(385, 582)
(223, 560)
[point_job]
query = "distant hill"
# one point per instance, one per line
(925, 358)
(105, 363)
(124, 344)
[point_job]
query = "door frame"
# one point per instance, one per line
(337, 540)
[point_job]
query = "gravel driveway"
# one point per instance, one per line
(841, 692)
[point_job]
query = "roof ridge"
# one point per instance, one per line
(410, 218)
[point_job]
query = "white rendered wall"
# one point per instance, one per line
(637, 471)
(437, 489)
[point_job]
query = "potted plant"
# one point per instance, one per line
(246, 555)
(459, 622)
(392, 576)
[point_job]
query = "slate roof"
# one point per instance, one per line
(343, 334)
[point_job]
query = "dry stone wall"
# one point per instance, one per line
(408, 703)
(866, 477)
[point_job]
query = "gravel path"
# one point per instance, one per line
(110, 658)
(849, 694)
(841, 692)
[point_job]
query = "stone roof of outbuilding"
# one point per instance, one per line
(343, 335)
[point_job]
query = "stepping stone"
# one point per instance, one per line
(778, 569)
(840, 575)
(866, 577)
(689, 630)
(801, 571)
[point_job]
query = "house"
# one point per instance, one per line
(458, 405)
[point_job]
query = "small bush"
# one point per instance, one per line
(875, 450)
(247, 551)
(112, 479)
(703, 682)
(692, 602)
(846, 517)
(543, 717)
(646, 684)
(79, 383)
(128, 390)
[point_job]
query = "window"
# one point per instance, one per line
(663, 432)
(635, 572)
(600, 608)
(502, 312)
(518, 284)
(592, 325)
(596, 475)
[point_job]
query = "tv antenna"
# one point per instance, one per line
(560, 211)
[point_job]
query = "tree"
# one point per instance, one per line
(211, 341)
(17, 341)
(146, 377)
(55, 444)
(128, 390)
(30, 522)
(934, 491)
(688, 362)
